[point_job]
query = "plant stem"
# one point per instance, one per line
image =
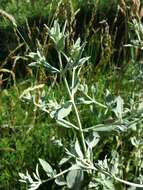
(95, 102)
(57, 175)
(73, 80)
(128, 182)
(83, 145)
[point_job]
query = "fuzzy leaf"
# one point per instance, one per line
(60, 181)
(74, 179)
(66, 124)
(75, 82)
(62, 112)
(82, 61)
(118, 110)
(92, 139)
(34, 186)
(102, 128)
(83, 88)
(47, 168)
(83, 101)
(63, 161)
(78, 149)
(109, 99)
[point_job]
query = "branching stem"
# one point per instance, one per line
(83, 145)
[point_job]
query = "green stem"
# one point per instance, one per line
(95, 102)
(83, 145)
(56, 176)
(128, 182)
(73, 80)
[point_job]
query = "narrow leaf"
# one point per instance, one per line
(47, 168)
(66, 124)
(82, 61)
(92, 139)
(78, 149)
(118, 110)
(63, 161)
(60, 181)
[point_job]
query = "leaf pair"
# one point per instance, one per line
(40, 60)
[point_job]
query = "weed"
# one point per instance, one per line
(79, 156)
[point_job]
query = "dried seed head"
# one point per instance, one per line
(135, 8)
(122, 6)
(141, 13)
(8, 16)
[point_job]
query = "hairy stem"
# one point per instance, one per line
(82, 139)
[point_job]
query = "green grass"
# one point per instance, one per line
(24, 134)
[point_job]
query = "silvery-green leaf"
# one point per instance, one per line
(74, 179)
(75, 87)
(40, 60)
(106, 183)
(35, 176)
(92, 139)
(57, 35)
(81, 50)
(78, 149)
(82, 61)
(23, 177)
(47, 168)
(51, 69)
(69, 154)
(60, 181)
(66, 124)
(77, 43)
(101, 128)
(63, 161)
(23, 181)
(60, 44)
(57, 142)
(33, 55)
(89, 153)
(75, 80)
(118, 110)
(92, 185)
(33, 64)
(83, 88)
(83, 101)
(93, 90)
(75, 167)
(115, 163)
(37, 171)
(109, 99)
(104, 164)
(56, 27)
(29, 178)
(34, 186)
(80, 164)
(76, 49)
(63, 111)
(134, 141)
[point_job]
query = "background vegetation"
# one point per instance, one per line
(113, 35)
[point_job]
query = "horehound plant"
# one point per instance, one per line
(80, 156)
